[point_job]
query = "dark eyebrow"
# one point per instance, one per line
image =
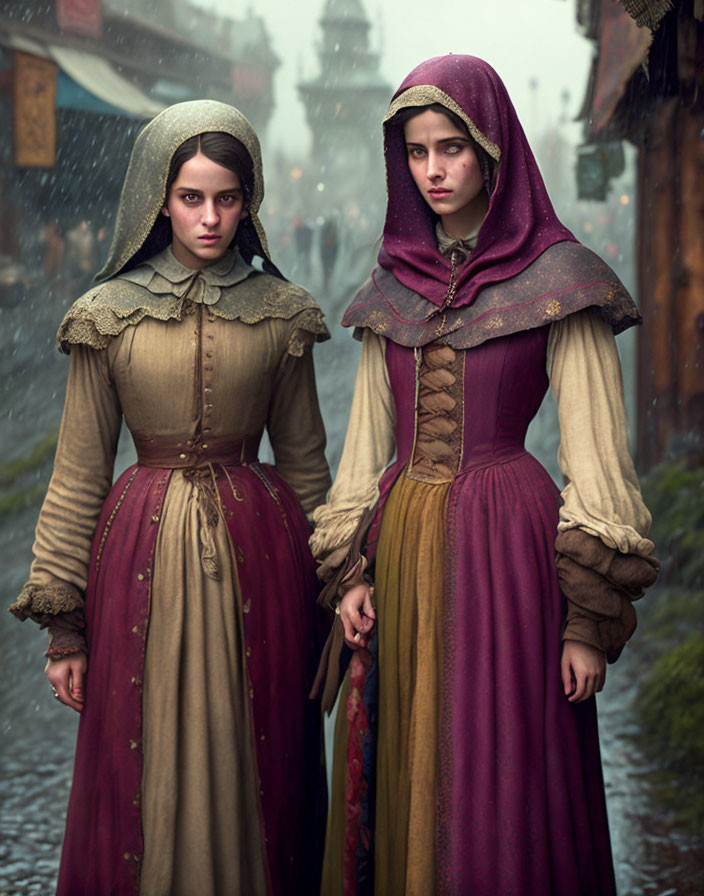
(458, 139)
(220, 192)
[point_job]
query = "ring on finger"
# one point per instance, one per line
(357, 636)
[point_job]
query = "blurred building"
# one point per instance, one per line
(345, 103)
(647, 87)
(78, 78)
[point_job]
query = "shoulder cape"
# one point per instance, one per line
(566, 278)
(103, 312)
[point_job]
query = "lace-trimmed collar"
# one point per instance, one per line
(164, 274)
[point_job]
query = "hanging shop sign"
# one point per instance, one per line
(34, 92)
(80, 17)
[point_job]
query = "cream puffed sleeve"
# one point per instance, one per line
(369, 448)
(601, 494)
(81, 480)
(603, 556)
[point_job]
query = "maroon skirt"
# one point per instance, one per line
(103, 845)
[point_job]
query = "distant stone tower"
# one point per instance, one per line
(345, 104)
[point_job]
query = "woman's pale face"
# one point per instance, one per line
(446, 170)
(205, 205)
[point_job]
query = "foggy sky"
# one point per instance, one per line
(521, 39)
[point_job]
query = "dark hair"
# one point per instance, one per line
(221, 148)
(486, 163)
(225, 150)
(404, 115)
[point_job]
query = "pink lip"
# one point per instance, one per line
(439, 192)
(209, 238)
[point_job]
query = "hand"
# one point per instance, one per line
(583, 670)
(357, 615)
(67, 677)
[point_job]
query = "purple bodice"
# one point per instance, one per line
(494, 391)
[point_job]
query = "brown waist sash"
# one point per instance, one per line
(170, 453)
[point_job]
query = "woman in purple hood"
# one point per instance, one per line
(467, 755)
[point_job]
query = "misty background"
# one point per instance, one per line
(314, 77)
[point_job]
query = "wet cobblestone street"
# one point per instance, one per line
(652, 856)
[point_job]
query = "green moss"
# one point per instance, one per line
(19, 499)
(667, 616)
(670, 700)
(675, 497)
(39, 455)
(670, 709)
(17, 489)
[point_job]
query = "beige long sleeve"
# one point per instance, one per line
(296, 430)
(601, 495)
(369, 448)
(80, 482)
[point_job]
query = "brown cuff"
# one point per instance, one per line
(627, 572)
(37, 601)
(587, 588)
(357, 575)
(608, 634)
(66, 634)
(599, 584)
(343, 577)
(581, 628)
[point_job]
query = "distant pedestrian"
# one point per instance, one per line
(329, 248)
(54, 245)
(80, 257)
(303, 234)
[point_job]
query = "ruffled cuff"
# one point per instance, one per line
(66, 634)
(600, 584)
(39, 601)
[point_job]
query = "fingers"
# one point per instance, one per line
(583, 670)
(77, 683)
(357, 629)
(367, 606)
(67, 678)
(586, 685)
(566, 674)
(350, 632)
(357, 616)
(581, 689)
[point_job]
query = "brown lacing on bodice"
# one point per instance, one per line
(437, 450)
